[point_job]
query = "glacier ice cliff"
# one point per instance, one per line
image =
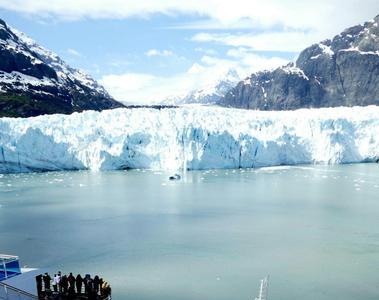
(188, 137)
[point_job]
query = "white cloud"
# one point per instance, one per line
(272, 41)
(253, 62)
(206, 51)
(128, 87)
(74, 52)
(155, 52)
(212, 24)
(277, 25)
(324, 16)
(146, 88)
(140, 88)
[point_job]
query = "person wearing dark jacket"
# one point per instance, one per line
(96, 284)
(71, 281)
(101, 281)
(46, 281)
(64, 284)
(79, 283)
(85, 281)
(88, 283)
(106, 289)
(92, 295)
(39, 284)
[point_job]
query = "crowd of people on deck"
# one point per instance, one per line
(70, 287)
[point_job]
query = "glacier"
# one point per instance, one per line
(191, 137)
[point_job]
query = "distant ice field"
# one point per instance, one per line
(189, 137)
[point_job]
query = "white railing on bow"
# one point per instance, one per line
(8, 292)
(263, 289)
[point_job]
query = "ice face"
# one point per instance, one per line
(190, 137)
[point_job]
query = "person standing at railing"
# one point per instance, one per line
(39, 284)
(106, 290)
(96, 284)
(101, 281)
(59, 281)
(55, 282)
(87, 283)
(71, 281)
(79, 283)
(46, 281)
(64, 284)
(89, 286)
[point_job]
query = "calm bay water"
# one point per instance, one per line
(314, 229)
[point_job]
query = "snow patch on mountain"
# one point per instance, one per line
(292, 69)
(64, 71)
(35, 81)
(198, 137)
(23, 81)
(326, 49)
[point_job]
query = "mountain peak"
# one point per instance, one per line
(342, 71)
(210, 92)
(34, 80)
(362, 37)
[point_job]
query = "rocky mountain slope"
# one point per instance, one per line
(343, 71)
(35, 81)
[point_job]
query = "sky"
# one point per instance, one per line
(145, 51)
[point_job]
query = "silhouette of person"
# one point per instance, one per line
(79, 283)
(101, 281)
(59, 281)
(39, 284)
(64, 284)
(96, 284)
(46, 281)
(85, 281)
(106, 289)
(88, 283)
(71, 281)
(55, 283)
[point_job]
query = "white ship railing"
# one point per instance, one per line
(8, 257)
(8, 292)
(6, 268)
(263, 289)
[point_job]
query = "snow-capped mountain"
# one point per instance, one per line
(199, 137)
(34, 80)
(343, 71)
(210, 93)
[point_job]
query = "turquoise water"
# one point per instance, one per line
(314, 229)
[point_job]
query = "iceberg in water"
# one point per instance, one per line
(188, 137)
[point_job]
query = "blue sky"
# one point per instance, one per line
(145, 51)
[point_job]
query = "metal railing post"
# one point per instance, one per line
(5, 269)
(6, 292)
(10, 290)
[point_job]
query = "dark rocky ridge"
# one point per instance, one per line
(35, 81)
(339, 72)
